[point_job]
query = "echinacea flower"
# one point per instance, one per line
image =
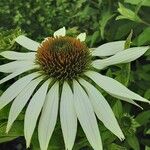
(60, 75)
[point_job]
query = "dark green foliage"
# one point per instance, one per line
(103, 21)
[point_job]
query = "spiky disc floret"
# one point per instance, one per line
(63, 57)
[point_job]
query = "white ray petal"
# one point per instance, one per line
(18, 56)
(15, 65)
(21, 100)
(17, 72)
(48, 117)
(27, 43)
(68, 117)
(114, 87)
(60, 32)
(33, 111)
(81, 37)
(102, 109)
(15, 89)
(125, 56)
(127, 100)
(86, 116)
(109, 49)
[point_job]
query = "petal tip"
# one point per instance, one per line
(19, 38)
(122, 139)
(60, 32)
(7, 129)
(27, 144)
(82, 37)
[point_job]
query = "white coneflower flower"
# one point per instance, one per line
(62, 71)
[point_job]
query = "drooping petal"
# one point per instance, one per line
(127, 100)
(27, 43)
(86, 116)
(33, 111)
(108, 49)
(60, 32)
(48, 117)
(114, 87)
(18, 56)
(21, 100)
(81, 37)
(15, 65)
(125, 56)
(68, 117)
(17, 72)
(102, 109)
(15, 89)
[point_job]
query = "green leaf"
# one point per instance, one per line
(5, 112)
(143, 117)
(15, 131)
(133, 142)
(147, 148)
(127, 14)
(120, 17)
(114, 146)
(105, 17)
(80, 144)
(147, 94)
(107, 137)
(148, 131)
(136, 2)
(6, 139)
(117, 109)
(94, 38)
(123, 29)
(143, 38)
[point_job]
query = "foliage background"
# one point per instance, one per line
(103, 21)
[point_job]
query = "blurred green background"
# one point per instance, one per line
(103, 21)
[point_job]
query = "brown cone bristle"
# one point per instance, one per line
(63, 57)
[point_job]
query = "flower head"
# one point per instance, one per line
(63, 57)
(63, 71)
